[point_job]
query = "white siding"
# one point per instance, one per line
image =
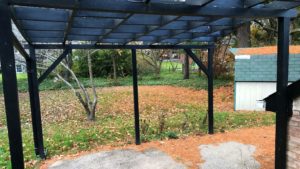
(248, 93)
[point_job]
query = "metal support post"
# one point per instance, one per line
(10, 89)
(282, 99)
(136, 98)
(33, 88)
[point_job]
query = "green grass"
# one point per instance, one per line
(63, 138)
(20, 76)
(166, 78)
(114, 129)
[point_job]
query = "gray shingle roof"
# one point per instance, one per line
(262, 68)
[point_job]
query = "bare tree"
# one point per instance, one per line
(154, 58)
(174, 65)
(173, 58)
(87, 100)
(113, 58)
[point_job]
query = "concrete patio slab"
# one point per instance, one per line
(121, 159)
(230, 155)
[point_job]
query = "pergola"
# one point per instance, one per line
(130, 24)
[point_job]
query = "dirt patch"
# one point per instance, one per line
(186, 150)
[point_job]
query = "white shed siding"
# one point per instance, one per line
(248, 93)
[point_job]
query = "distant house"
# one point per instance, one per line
(255, 74)
(20, 63)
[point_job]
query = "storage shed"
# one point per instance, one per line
(255, 74)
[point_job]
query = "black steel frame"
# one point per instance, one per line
(208, 71)
(54, 65)
(282, 114)
(10, 90)
(8, 40)
(33, 88)
(135, 98)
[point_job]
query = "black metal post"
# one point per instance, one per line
(282, 99)
(33, 88)
(10, 88)
(210, 78)
(136, 98)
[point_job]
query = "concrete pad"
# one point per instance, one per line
(121, 159)
(230, 155)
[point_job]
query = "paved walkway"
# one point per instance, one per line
(121, 159)
(228, 155)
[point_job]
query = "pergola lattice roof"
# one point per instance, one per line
(148, 21)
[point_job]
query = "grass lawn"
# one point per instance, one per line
(20, 76)
(167, 77)
(166, 113)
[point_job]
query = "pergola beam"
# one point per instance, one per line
(16, 22)
(115, 28)
(209, 73)
(164, 21)
(54, 65)
(70, 23)
(197, 60)
(20, 48)
(198, 2)
(82, 46)
(162, 9)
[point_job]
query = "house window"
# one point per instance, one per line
(18, 68)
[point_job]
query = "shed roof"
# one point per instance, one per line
(262, 68)
(268, 50)
(148, 21)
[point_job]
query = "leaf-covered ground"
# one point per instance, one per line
(166, 112)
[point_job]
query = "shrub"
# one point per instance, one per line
(103, 63)
(172, 135)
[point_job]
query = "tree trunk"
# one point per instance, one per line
(157, 71)
(114, 67)
(69, 63)
(243, 36)
(92, 104)
(92, 116)
(186, 66)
